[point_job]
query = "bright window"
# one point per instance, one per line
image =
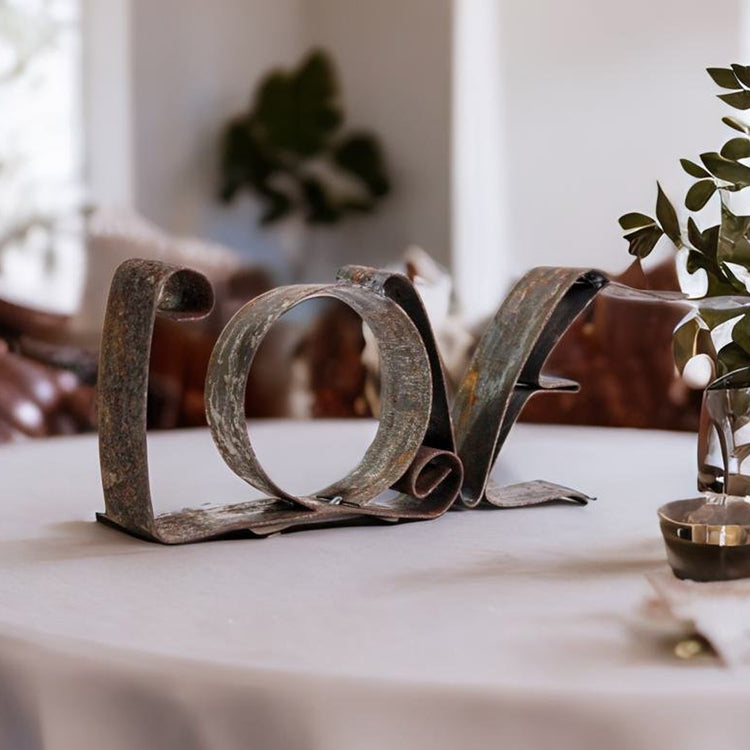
(41, 195)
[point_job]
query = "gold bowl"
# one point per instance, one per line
(707, 540)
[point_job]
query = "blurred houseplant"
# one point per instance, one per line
(290, 151)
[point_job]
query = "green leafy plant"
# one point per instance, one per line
(290, 151)
(721, 251)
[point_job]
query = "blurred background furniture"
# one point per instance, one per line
(419, 122)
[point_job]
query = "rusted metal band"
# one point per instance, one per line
(406, 398)
(435, 476)
(505, 372)
(398, 288)
(536, 492)
(436, 473)
(140, 291)
(414, 450)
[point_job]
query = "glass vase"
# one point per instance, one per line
(724, 436)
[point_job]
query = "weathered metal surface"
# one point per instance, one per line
(398, 288)
(406, 396)
(414, 451)
(505, 372)
(140, 290)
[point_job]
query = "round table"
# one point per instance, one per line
(486, 628)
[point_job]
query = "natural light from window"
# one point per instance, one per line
(41, 253)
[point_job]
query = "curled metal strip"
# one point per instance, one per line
(433, 475)
(505, 372)
(523, 494)
(398, 288)
(414, 450)
(406, 397)
(140, 291)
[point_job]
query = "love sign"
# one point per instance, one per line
(432, 452)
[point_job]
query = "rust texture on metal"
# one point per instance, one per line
(506, 371)
(140, 290)
(415, 451)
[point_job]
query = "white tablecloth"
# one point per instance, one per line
(483, 629)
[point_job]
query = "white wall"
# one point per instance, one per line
(479, 183)
(107, 101)
(195, 64)
(394, 61)
(602, 98)
(597, 100)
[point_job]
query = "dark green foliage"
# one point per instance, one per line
(719, 250)
(727, 170)
(741, 334)
(699, 194)
(736, 148)
(724, 77)
(359, 155)
(736, 124)
(738, 99)
(693, 169)
(644, 235)
(635, 221)
(667, 216)
(643, 241)
(289, 150)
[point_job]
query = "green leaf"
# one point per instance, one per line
(247, 164)
(292, 127)
(699, 194)
(730, 358)
(742, 72)
(726, 169)
(738, 99)
(694, 234)
(635, 220)
(718, 283)
(667, 217)
(642, 241)
(733, 122)
(320, 208)
(736, 148)
(697, 260)
(741, 333)
(359, 154)
(298, 111)
(689, 339)
(734, 245)
(277, 206)
(720, 278)
(693, 169)
(712, 317)
(736, 284)
(724, 77)
(710, 241)
(317, 95)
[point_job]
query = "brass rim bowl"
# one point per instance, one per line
(700, 551)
